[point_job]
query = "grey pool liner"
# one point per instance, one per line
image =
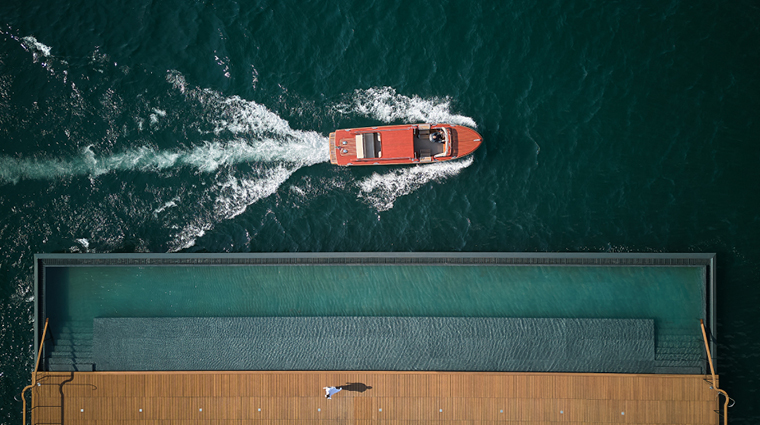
(374, 343)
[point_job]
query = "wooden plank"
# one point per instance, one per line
(363, 408)
(394, 398)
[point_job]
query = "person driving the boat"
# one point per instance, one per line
(436, 136)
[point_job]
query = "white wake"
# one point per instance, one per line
(386, 105)
(382, 189)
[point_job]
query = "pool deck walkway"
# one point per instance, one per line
(370, 397)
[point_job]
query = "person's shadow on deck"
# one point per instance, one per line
(355, 386)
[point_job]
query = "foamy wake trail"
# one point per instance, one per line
(275, 153)
(230, 198)
(384, 104)
(260, 136)
(382, 190)
(208, 157)
(38, 49)
(249, 152)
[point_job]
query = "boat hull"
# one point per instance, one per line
(402, 144)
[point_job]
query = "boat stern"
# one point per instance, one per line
(333, 155)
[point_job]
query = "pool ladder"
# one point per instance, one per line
(34, 373)
(713, 382)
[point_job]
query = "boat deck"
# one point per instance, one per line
(370, 397)
(401, 144)
(465, 140)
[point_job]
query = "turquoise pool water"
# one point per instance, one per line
(672, 296)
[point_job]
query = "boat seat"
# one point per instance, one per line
(424, 130)
(425, 155)
(365, 145)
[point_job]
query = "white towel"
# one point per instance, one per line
(329, 391)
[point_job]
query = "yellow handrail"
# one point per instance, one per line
(34, 373)
(712, 371)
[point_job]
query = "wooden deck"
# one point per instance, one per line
(391, 398)
(466, 141)
(399, 147)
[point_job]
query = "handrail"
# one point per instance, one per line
(712, 372)
(34, 373)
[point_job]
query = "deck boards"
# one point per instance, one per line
(404, 397)
(466, 141)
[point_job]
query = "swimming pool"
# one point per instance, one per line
(673, 296)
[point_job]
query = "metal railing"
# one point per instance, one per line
(714, 382)
(34, 373)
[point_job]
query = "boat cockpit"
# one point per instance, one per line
(431, 143)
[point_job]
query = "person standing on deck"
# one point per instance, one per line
(329, 391)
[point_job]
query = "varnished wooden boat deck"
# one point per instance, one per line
(394, 398)
(466, 140)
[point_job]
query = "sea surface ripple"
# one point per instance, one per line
(177, 127)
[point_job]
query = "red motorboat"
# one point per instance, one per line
(402, 144)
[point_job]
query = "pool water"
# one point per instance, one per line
(672, 296)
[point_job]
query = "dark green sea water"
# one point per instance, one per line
(139, 126)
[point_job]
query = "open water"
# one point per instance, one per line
(140, 126)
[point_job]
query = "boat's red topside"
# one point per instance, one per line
(396, 144)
